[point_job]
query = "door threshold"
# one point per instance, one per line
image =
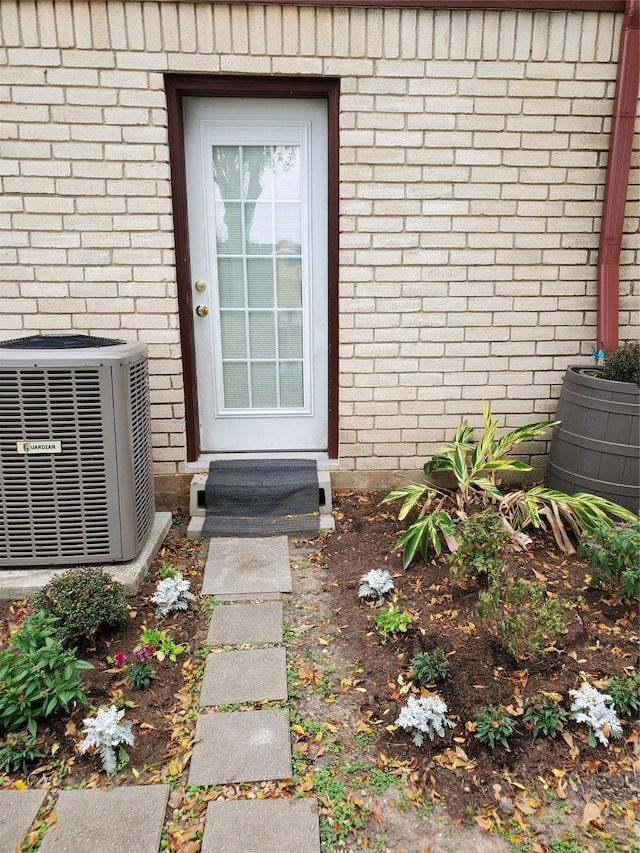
(322, 458)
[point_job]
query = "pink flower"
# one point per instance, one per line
(119, 659)
(144, 653)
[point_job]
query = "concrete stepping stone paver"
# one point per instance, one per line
(233, 624)
(250, 675)
(17, 812)
(247, 567)
(241, 746)
(262, 826)
(108, 820)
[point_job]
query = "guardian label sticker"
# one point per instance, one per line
(32, 447)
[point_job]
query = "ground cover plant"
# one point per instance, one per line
(376, 789)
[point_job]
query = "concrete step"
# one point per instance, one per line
(247, 567)
(262, 826)
(108, 820)
(250, 675)
(233, 624)
(197, 506)
(241, 746)
(18, 810)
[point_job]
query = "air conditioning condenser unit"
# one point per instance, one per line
(76, 476)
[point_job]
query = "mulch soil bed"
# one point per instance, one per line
(600, 639)
(347, 687)
(157, 713)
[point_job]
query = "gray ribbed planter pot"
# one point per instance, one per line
(596, 448)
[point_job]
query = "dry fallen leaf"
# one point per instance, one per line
(593, 814)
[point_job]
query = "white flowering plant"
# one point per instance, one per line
(172, 594)
(427, 715)
(376, 583)
(592, 707)
(104, 732)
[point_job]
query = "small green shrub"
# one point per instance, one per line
(17, 751)
(167, 570)
(39, 676)
(391, 622)
(430, 667)
(623, 363)
(493, 726)
(615, 555)
(481, 539)
(521, 616)
(86, 602)
(164, 646)
(544, 715)
(625, 694)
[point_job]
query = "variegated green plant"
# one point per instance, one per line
(580, 513)
(475, 466)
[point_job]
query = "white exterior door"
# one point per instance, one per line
(257, 209)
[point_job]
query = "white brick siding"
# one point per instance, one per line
(473, 154)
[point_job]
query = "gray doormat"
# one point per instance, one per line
(262, 497)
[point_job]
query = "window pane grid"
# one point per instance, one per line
(258, 232)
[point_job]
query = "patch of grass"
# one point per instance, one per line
(287, 631)
(568, 844)
(365, 740)
(363, 774)
(343, 814)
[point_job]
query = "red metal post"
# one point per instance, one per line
(617, 182)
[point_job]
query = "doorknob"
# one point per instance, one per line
(202, 310)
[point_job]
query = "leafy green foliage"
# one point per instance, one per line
(391, 622)
(623, 363)
(481, 539)
(474, 467)
(39, 676)
(167, 570)
(544, 714)
(430, 667)
(344, 815)
(615, 554)
(86, 602)
(580, 513)
(493, 726)
(476, 464)
(625, 694)
(521, 615)
(139, 675)
(17, 751)
(164, 645)
(425, 530)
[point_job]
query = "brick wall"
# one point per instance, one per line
(473, 153)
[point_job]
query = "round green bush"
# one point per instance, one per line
(623, 363)
(86, 602)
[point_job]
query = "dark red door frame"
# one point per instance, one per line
(178, 86)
